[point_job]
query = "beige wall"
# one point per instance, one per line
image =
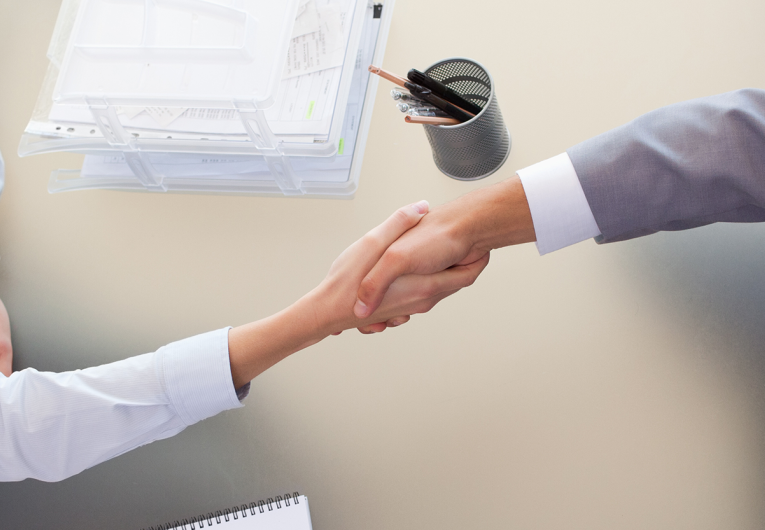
(595, 388)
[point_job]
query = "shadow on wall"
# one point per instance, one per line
(712, 281)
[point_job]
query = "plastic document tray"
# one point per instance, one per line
(107, 69)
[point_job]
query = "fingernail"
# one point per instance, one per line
(422, 207)
(360, 309)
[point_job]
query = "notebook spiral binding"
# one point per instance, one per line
(222, 517)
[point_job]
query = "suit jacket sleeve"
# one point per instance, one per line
(679, 167)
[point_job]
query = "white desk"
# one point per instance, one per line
(607, 387)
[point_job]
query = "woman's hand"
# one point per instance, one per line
(6, 348)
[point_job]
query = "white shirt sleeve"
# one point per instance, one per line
(559, 208)
(55, 425)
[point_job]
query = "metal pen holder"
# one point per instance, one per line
(474, 149)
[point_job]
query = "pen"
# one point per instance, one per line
(427, 120)
(438, 88)
(431, 113)
(451, 109)
(398, 95)
(408, 107)
(423, 93)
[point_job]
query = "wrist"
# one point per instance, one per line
(255, 347)
(312, 316)
(497, 216)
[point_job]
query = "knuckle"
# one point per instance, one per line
(368, 287)
(394, 254)
(403, 216)
(430, 291)
(373, 239)
(424, 307)
(398, 321)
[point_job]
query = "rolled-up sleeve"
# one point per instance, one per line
(55, 425)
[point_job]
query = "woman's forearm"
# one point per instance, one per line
(55, 425)
(257, 346)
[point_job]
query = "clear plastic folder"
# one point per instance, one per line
(290, 132)
(319, 176)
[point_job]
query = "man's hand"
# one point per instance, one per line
(456, 234)
(409, 294)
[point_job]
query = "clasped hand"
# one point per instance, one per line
(405, 293)
(403, 267)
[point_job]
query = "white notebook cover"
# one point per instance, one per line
(290, 513)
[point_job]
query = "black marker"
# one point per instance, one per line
(443, 91)
(452, 110)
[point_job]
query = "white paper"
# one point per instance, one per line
(304, 103)
(292, 517)
(315, 169)
(325, 47)
(307, 20)
(304, 106)
(130, 112)
(175, 50)
(165, 115)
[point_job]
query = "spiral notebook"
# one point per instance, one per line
(282, 513)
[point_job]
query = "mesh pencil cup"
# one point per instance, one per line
(476, 148)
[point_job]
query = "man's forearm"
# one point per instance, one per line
(458, 233)
(682, 166)
(497, 216)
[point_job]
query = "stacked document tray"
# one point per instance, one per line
(226, 96)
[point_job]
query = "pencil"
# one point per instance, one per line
(393, 78)
(427, 120)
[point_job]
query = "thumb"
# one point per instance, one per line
(372, 247)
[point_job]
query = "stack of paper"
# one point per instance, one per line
(321, 169)
(305, 100)
(185, 89)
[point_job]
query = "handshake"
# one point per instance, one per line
(390, 274)
(404, 266)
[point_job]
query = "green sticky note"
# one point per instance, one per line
(341, 146)
(308, 114)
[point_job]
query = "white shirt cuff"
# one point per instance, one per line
(559, 208)
(197, 376)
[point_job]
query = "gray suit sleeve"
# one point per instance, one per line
(678, 167)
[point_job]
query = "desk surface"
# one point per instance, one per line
(600, 387)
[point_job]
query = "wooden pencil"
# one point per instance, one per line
(393, 78)
(428, 120)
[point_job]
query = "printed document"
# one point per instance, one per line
(317, 169)
(305, 101)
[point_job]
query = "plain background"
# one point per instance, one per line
(600, 387)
